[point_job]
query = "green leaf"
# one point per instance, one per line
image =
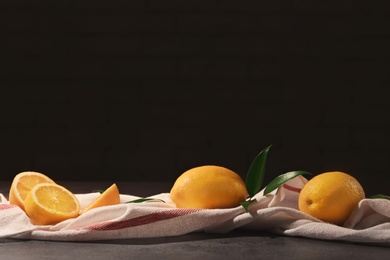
(282, 179)
(255, 175)
(246, 204)
(100, 191)
(379, 196)
(144, 200)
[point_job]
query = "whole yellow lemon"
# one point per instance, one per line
(208, 187)
(331, 197)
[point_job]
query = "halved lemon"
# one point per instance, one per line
(50, 203)
(22, 184)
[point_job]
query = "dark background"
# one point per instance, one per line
(144, 90)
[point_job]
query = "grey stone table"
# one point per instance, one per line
(238, 244)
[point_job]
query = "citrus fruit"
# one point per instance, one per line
(22, 184)
(109, 197)
(50, 203)
(331, 196)
(208, 187)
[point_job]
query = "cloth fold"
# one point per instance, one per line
(276, 212)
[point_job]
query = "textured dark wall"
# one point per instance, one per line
(144, 90)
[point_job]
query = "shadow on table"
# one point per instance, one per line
(196, 236)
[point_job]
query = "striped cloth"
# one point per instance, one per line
(276, 212)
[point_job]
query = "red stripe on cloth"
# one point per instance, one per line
(6, 206)
(142, 220)
(290, 188)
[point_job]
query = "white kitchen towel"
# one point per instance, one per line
(276, 212)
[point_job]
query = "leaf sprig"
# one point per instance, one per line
(255, 177)
(379, 196)
(282, 179)
(136, 200)
(144, 200)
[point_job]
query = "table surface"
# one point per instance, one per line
(234, 245)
